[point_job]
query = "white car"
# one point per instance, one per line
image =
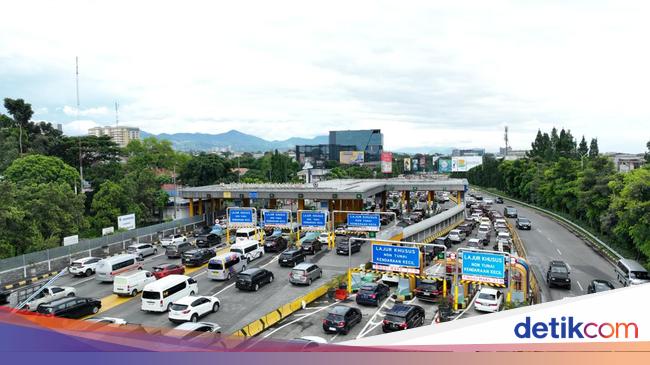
(476, 217)
(142, 249)
(456, 235)
(108, 320)
(474, 242)
(191, 308)
(488, 300)
(488, 201)
(173, 240)
(323, 238)
(84, 267)
(485, 221)
(50, 294)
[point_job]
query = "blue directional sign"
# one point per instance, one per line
(276, 217)
(240, 216)
(484, 267)
(315, 219)
(400, 256)
(363, 222)
(252, 194)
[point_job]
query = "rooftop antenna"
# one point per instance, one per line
(505, 137)
(117, 120)
(81, 170)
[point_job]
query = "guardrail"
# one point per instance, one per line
(536, 295)
(259, 325)
(603, 247)
(25, 267)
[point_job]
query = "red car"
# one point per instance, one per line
(168, 269)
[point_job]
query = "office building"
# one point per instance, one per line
(120, 135)
(369, 141)
(468, 152)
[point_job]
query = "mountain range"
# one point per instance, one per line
(234, 140)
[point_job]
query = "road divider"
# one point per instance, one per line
(259, 325)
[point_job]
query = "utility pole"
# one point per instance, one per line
(81, 169)
(505, 137)
(117, 120)
(176, 190)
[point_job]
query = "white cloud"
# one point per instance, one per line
(449, 74)
(78, 127)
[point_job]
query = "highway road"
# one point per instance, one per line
(549, 240)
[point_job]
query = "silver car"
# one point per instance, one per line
(305, 273)
(142, 249)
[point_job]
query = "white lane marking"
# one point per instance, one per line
(568, 267)
(558, 251)
(298, 319)
(581, 289)
(334, 337)
(365, 330)
(222, 290)
(83, 281)
(199, 274)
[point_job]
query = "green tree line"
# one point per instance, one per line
(574, 179)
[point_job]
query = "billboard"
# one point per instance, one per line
(484, 267)
(126, 221)
(387, 162)
(351, 157)
(444, 165)
(415, 163)
(363, 222)
(423, 163)
(108, 230)
(396, 258)
(464, 163)
(70, 240)
(407, 164)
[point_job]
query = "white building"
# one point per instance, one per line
(120, 135)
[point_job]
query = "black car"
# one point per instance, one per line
(291, 257)
(597, 286)
(197, 257)
(341, 319)
(510, 212)
(311, 246)
(343, 246)
(4, 297)
(275, 243)
(71, 307)
(558, 274)
(208, 240)
(200, 231)
(498, 200)
(429, 290)
(523, 223)
(444, 240)
(372, 293)
(403, 316)
(253, 279)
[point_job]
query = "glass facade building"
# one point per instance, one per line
(370, 141)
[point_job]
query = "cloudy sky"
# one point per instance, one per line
(427, 73)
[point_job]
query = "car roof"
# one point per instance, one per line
(131, 273)
(187, 300)
(162, 266)
(401, 309)
(84, 259)
(291, 250)
(557, 263)
(340, 309)
(303, 266)
(252, 270)
(488, 291)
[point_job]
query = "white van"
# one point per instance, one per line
(246, 234)
(132, 282)
(630, 272)
(159, 295)
(250, 249)
(110, 267)
(225, 266)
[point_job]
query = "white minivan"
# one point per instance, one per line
(226, 266)
(159, 295)
(250, 249)
(246, 234)
(110, 267)
(132, 282)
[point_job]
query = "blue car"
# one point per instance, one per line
(372, 293)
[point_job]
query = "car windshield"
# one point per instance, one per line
(158, 269)
(367, 288)
(238, 250)
(335, 317)
(395, 319)
(599, 286)
(244, 277)
(150, 295)
(559, 269)
(641, 275)
(524, 220)
(215, 266)
(428, 286)
(131, 249)
(179, 307)
(487, 296)
(76, 264)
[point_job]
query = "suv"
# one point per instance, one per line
(372, 293)
(456, 236)
(558, 274)
(207, 240)
(172, 240)
(444, 240)
(341, 319)
(311, 246)
(429, 290)
(523, 223)
(197, 257)
(403, 316)
(252, 279)
(275, 243)
(84, 267)
(510, 212)
(345, 244)
(71, 307)
(305, 273)
(291, 257)
(142, 249)
(200, 231)
(177, 250)
(498, 200)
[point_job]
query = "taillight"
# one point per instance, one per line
(161, 303)
(186, 311)
(341, 324)
(386, 321)
(324, 321)
(373, 296)
(403, 325)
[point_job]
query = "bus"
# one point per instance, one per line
(110, 267)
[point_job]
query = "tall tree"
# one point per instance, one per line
(207, 169)
(593, 148)
(39, 169)
(108, 203)
(647, 154)
(21, 113)
(583, 148)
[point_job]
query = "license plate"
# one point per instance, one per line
(332, 329)
(284, 260)
(150, 302)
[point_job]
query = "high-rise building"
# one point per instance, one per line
(369, 141)
(120, 135)
(468, 152)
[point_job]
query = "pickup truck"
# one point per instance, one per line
(50, 294)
